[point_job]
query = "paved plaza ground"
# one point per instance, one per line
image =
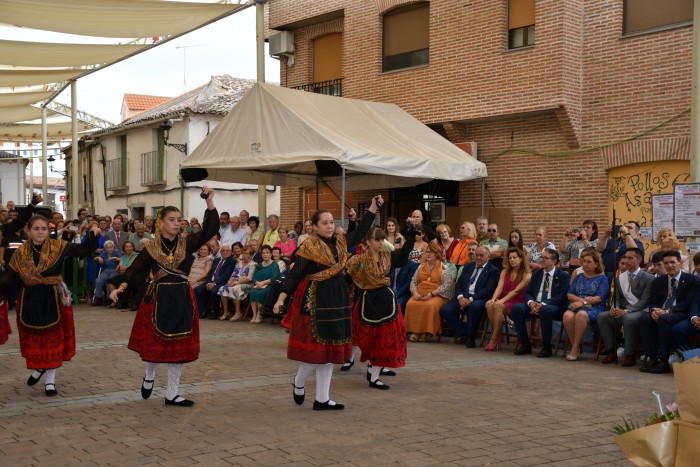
(450, 405)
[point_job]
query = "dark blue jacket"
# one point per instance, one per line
(485, 285)
(559, 287)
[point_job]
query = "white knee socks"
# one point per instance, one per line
(150, 375)
(50, 376)
(305, 370)
(374, 372)
(324, 373)
(174, 373)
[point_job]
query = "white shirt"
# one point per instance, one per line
(541, 297)
(477, 273)
(626, 286)
(233, 236)
(678, 282)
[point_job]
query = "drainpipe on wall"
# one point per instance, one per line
(695, 102)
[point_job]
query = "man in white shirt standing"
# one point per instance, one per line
(235, 233)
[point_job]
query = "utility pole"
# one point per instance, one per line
(184, 63)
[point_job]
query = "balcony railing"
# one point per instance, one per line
(152, 168)
(333, 87)
(115, 174)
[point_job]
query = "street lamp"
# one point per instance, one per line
(166, 127)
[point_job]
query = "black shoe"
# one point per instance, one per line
(134, 308)
(347, 365)
(379, 385)
(387, 372)
(50, 389)
(182, 403)
(523, 350)
(471, 342)
(461, 340)
(650, 364)
(327, 406)
(146, 393)
(546, 352)
(96, 301)
(298, 399)
(32, 380)
(660, 368)
(212, 315)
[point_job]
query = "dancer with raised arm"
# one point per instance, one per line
(319, 318)
(166, 328)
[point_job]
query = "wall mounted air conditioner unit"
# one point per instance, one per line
(282, 43)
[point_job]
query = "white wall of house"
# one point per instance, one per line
(232, 197)
(12, 183)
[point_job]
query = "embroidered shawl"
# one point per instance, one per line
(368, 273)
(170, 261)
(315, 249)
(23, 262)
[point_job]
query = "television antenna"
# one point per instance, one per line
(184, 63)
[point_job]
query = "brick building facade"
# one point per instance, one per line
(590, 78)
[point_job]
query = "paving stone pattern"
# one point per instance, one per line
(449, 406)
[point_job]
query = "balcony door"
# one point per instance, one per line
(328, 63)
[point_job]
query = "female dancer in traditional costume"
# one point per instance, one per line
(319, 317)
(377, 322)
(44, 310)
(166, 327)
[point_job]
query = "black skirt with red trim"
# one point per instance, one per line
(383, 345)
(302, 345)
(47, 348)
(154, 346)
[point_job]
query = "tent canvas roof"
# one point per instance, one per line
(277, 136)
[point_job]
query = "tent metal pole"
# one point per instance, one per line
(695, 104)
(342, 200)
(44, 156)
(260, 49)
(75, 172)
(317, 185)
(483, 188)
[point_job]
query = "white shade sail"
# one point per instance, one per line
(112, 18)
(21, 114)
(16, 99)
(280, 136)
(47, 54)
(33, 132)
(31, 77)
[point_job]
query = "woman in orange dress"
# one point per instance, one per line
(432, 286)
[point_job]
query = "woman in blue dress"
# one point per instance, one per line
(588, 296)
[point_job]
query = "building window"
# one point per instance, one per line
(328, 57)
(406, 37)
(521, 23)
(642, 15)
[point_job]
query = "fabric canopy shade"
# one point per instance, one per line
(47, 54)
(32, 77)
(112, 18)
(21, 114)
(280, 136)
(16, 99)
(33, 132)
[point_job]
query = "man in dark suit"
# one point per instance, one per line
(671, 297)
(118, 236)
(683, 331)
(221, 270)
(474, 288)
(630, 302)
(401, 282)
(545, 299)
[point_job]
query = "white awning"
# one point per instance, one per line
(33, 132)
(31, 76)
(47, 54)
(112, 18)
(280, 136)
(21, 114)
(16, 99)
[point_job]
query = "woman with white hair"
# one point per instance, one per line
(109, 260)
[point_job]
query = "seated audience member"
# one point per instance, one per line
(272, 235)
(221, 270)
(467, 235)
(277, 258)
(696, 264)
(656, 264)
(588, 296)
(546, 298)
(236, 249)
(446, 240)
(214, 247)
(285, 243)
(683, 331)
(673, 244)
(256, 232)
(109, 260)
(482, 229)
(296, 232)
(139, 234)
(431, 287)
(416, 218)
(496, 245)
(475, 287)
(662, 235)
(125, 261)
(510, 291)
(255, 250)
(587, 237)
(391, 230)
(630, 301)
(537, 247)
(308, 231)
(401, 282)
(265, 274)
(420, 245)
(196, 227)
(613, 249)
(201, 266)
(238, 285)
(671, 297)
(235, 233)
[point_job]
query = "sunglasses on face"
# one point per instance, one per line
(493, 230)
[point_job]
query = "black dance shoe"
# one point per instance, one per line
(298, 398)
(146, 393)
(50, 389)
(327, 406)
(378, 384)
(387, 372)
(32, 380)
(182, 403)
(347, 365)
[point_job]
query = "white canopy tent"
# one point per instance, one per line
(280, 136)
